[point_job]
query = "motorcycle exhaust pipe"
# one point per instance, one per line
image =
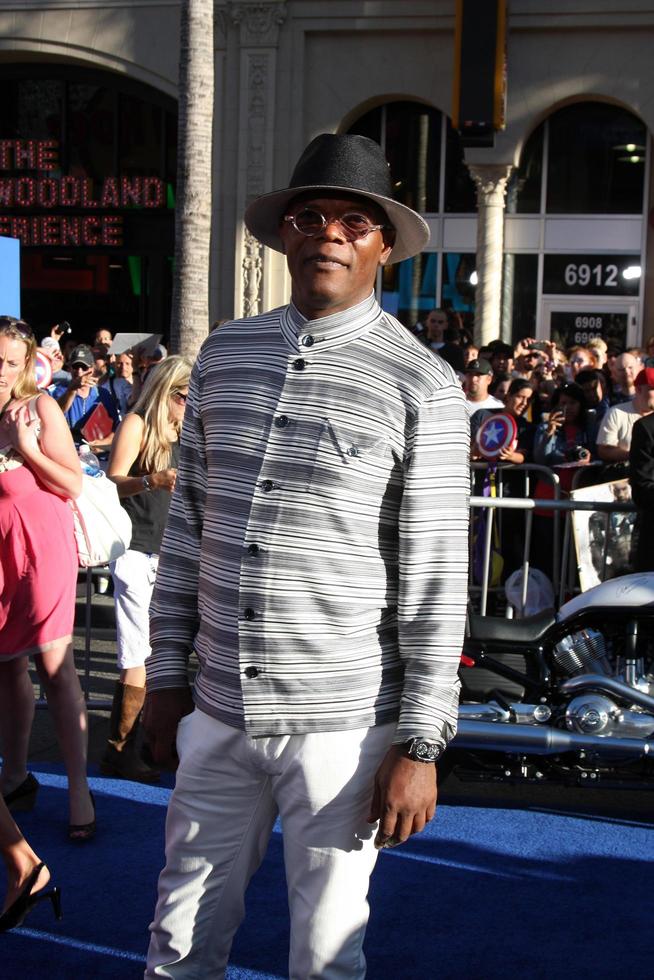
(609, 685)
(533, 740)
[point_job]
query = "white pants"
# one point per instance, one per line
(133, 574)
(228, 792)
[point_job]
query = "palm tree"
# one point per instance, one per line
(190, 304)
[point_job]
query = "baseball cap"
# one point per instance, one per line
(478, 366)
(82, 355)
(645, 378)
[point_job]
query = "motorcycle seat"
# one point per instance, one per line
(497, 630)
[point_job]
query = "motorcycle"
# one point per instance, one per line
(565, 697)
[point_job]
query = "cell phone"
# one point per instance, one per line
(538, 346)
(64, 327)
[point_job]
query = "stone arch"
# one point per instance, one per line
(551, 110)
(22, 52)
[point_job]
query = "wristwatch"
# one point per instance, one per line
(147, 483)
(422, 749)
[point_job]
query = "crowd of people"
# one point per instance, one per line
(574, 409)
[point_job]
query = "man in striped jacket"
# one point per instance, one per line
(315, 560)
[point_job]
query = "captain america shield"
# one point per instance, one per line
(498, 432)
(43, 370)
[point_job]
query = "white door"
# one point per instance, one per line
(571, 320)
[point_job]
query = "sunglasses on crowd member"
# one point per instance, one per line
(22, 329)
(310, 222)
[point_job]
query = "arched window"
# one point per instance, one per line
(587, 162)
(87, 183)
(592, 156)
(428, 175)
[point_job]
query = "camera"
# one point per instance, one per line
(64, 327)
(576, 454)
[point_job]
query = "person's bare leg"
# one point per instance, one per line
(56, 668)
(16, 717)
(19, 858)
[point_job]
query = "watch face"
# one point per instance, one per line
(423, 751)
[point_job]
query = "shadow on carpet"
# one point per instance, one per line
(482, 893)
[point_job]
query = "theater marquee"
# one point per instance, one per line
(42, 207)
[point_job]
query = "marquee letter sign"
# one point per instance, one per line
(24, 195)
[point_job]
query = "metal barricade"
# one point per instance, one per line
(529, 470)
(563, 567)
(529, 505)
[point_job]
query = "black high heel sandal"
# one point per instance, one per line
(24, 796)
(78, 833)
(21, 908)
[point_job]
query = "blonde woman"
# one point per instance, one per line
(39, 469)
(599, 350)
(143, 465)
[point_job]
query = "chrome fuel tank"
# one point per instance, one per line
(626, 592)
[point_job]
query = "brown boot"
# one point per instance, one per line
(121, 757)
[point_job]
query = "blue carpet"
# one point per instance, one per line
(483, 893)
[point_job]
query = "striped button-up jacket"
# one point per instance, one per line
(316, 550)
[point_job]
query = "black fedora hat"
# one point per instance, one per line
(332, 162)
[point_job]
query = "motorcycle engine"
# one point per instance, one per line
(582, 652)
(596, 714)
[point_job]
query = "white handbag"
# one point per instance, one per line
(103, 529)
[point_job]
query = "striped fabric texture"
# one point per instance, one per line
(316, 550)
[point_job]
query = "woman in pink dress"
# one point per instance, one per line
(39, 470)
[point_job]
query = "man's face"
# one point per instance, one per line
(124, 368)
(628, 368)
(502, 363)
(476, 385)
(330, 273)
(435, 325)
(103, 337)
(81, 373)
(532, 360)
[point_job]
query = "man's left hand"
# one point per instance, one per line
(404, 799)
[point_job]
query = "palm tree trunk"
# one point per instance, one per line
(190, 305)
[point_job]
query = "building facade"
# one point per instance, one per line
(547, 233)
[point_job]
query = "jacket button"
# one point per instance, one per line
(253, 549)
(251, 672)
(248, 613)
(282, 421)
(267, 486)
(353, 451)
(308, 341)
(299, 364)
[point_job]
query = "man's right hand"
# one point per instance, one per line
(162, 713)
(84, 378)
